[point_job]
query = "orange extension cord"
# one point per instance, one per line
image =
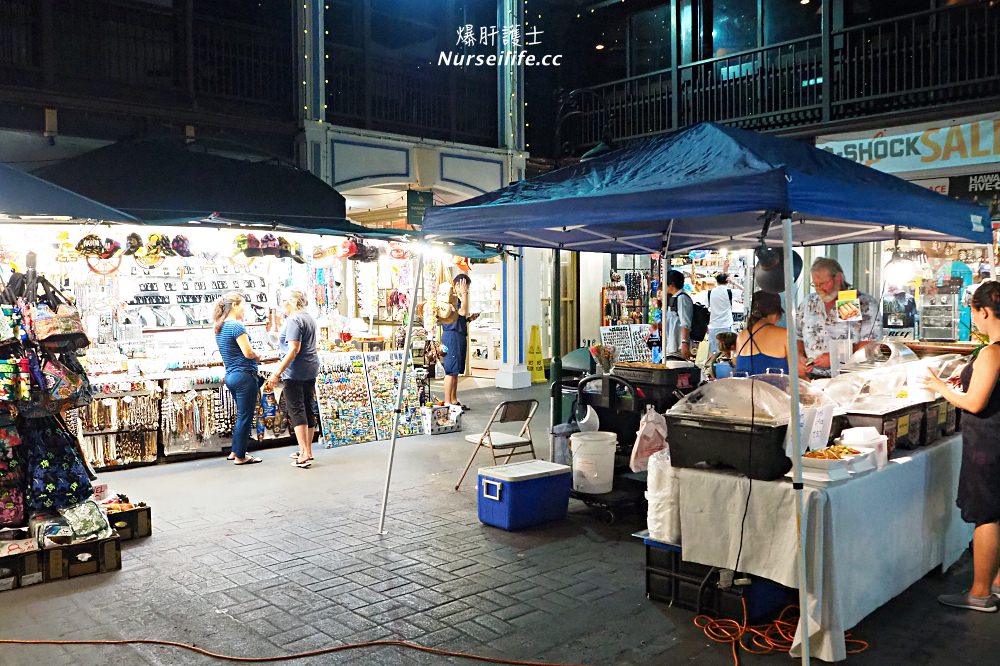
(766, 638)
(286, 657)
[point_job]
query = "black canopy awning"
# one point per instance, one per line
(27, 198)
(168, 181)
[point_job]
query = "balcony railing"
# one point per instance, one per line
(922, 60)
(116, 49)
(392, 95)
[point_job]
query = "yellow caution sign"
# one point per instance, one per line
(536, 366)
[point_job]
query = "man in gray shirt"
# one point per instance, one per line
(677, 316)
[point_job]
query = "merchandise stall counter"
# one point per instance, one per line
(924, 348)
(860, 534)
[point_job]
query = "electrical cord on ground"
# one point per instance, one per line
(753, 418)
(284, 657)
(774, 637)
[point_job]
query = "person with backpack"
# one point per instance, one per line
(678, 317)
(720, 311)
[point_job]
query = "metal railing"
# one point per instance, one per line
(921, 60)
(392, 95)
(118, 49)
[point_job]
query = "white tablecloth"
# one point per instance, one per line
(867, 539)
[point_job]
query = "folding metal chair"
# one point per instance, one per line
(511, 411)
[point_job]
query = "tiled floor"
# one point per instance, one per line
(271, 559)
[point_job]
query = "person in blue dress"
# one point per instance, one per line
(763, 345)
(455, 338)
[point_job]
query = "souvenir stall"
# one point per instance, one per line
(926, 287)
(623, 202)
(54, 520)
(700, 267)
(145, 301)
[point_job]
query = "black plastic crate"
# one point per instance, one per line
(764, 599)
(668, 559)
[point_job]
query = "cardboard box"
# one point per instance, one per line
(83, 559)
(136, 523)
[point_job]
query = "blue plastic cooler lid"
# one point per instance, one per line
(523, 471)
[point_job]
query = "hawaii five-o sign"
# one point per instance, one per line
(902, 149)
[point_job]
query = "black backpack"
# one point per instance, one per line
(699, 318)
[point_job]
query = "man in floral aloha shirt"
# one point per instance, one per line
(817, 322)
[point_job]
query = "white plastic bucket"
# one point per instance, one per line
(593, 461)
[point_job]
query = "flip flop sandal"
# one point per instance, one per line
(302, 465)
(231, 456)
(295, 456)
(249, 460)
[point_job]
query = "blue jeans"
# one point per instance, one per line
(243, 385)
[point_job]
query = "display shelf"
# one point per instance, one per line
(344, 400)
(383, 381)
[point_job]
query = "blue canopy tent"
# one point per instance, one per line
(706, 187)
(710, 186)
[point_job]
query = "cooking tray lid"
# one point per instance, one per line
(736, 400)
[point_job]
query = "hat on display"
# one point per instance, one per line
(182, 246)
(463, 264)
(347, 249)
(318, 253)
(133, 243)
(241, 243)
(397, 251)
(65, 251)
(111, 248)
(153, 246)
(360, 252)
(253, 247)
(270, 245)
(166, 249)
(284, 248)
(297, 255)
(90, 245)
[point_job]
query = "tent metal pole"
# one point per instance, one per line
(794, 425)
(417, 281)
(555, 366)
(993, 258)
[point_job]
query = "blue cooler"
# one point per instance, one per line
(524, 494)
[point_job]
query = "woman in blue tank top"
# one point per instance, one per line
(763, 345)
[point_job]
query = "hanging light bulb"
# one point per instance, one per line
(899, 270)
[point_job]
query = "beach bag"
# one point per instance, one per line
(57, 476)
(55, 324)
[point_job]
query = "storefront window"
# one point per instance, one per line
(734, 26)
(785, 20)
(649, 41)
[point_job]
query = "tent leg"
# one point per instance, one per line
(417, 281)
(555, 366)
(993, 262)
(794, 424)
